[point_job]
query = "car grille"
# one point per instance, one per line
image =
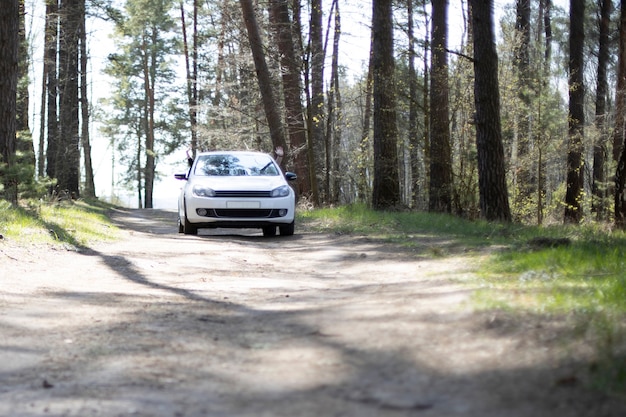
(243, 194)
(242, 213)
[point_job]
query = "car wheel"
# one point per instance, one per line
(181, 229)
(189, 229)
(269, 231)
(288, 229)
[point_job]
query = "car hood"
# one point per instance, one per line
(240, 183)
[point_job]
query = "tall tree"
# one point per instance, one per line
(620, 89)
(68, 153)
(413, 109)
(191, 68)
(85, 111)
(317, 117)
(440, 190)
(386, 187)
(599, 188)
(9, 45)
(264, 78)
(523, 169)
(620, 125)
(575, 161)
(494, 202)
(51, 81)
(292, 93)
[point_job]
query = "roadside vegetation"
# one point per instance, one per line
(71, 224)
(575, 275)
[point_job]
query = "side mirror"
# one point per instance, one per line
(290, 176)
(180, 176)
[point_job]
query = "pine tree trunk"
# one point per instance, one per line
(599, 188)
(292, 89)
(440, 191)
(575, 162)
(52, 86)
(317, 116)
(9, 43)
(494, 203)
(386, 187)
(90, 188)
(620, 118)
(68, 154)
(263, 76)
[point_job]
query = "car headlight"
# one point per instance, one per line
(201, 191)
(282, 191)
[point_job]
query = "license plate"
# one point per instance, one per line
(243, 204)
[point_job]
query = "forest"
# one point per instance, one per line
(513, 111)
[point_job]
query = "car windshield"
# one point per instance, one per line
(235, 165)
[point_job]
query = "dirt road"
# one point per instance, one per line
(234, 324)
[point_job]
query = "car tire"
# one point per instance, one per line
(188, 228)
(181, 228)
(269, 231)
(288, 229)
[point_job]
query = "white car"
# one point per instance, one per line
(236, 189)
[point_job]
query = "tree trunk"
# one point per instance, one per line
(494, 202)
(386, 188)
(599, 187)
(68, 154)
(292, 92)
(440, 192)
(9, 45)
(332, 118)
(575, 162)
(364, 145)
(149, 68)
(191, 61)
(335, 185)
(523, 165)
(90, 188)
(620, 118)
(263, 76)
(52, 85)
(317, 116)
(413, 110)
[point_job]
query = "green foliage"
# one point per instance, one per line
(584, 281)
(72, 224)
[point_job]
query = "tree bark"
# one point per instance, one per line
(440, 190)
(413, 110)
(575, 162)
(386, 187)
(494, 202)
(68, 154)
(52, 86)
(9, 45)
(317, 116)
(620, 125)
(599, 188)
(292, 93)
(90, 188)
(263, 76)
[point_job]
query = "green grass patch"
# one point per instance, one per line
(575, 272)
(77, 223)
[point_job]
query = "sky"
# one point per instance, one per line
(354, 51)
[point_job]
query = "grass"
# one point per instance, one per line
(582, 278)
(76, 224)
